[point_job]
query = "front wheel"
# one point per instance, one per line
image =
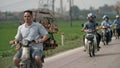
(35, 65)
(24, 66)
(116, 34)
(91, 50)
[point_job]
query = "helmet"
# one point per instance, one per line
(117, 16)
(91, 15)
(105, 16)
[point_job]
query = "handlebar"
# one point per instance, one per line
(24, 42)
(90, 30)
(14, 44)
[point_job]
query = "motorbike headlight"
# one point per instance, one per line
(89, 30)
(25, 42)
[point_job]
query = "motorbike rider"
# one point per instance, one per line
(106, 23)
(30, 31)
(117, 22)
(92, 24)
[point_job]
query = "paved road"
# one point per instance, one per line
(107, 57)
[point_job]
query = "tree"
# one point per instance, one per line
(117, 7)
(91, 8)
(75, 12)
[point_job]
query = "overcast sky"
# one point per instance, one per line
(21, 5)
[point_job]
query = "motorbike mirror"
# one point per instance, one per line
(82, 25)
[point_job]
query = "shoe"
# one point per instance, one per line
(98, 48)
(84, 50)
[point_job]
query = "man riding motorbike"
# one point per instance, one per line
(106, 23)
(30, 31)
(117, 22)
(91, 24)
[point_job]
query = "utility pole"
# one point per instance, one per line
(70, 12)
(61, 6)
(53, 6)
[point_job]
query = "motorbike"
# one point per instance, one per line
(91, 42)
(26, 61)
(116, 31)
(105, 35)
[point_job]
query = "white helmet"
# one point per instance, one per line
(105, 16)
(91, 15)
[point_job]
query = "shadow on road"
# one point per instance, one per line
(107, 54)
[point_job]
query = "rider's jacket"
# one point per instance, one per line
(106, 23)
(90, 25)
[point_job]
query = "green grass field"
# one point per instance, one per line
(8, 29)
(7, 32)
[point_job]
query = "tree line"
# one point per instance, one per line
(77, 13)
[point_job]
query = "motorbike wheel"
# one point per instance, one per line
(116, 34)
(103, 40)
(91, 50)
(34, 65)
(24, 66)
(31, 65)
(107, 41)
(104, 43)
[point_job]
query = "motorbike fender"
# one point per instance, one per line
(109, 29)
(25, 53)
(86, 44)
(86, 41)
(95, 43)
(95, 40)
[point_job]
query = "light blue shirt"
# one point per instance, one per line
(90, 25)
(105, 23)
(32, 32)
(116, 21)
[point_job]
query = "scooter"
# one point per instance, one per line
(26, 61)
(116, 31)
(105, 35)
(91, 42)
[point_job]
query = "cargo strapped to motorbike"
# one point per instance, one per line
(48, 21)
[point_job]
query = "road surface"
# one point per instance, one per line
(107, 57)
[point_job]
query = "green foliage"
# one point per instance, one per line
(70, 33)
(75, 12)
(7, 32)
